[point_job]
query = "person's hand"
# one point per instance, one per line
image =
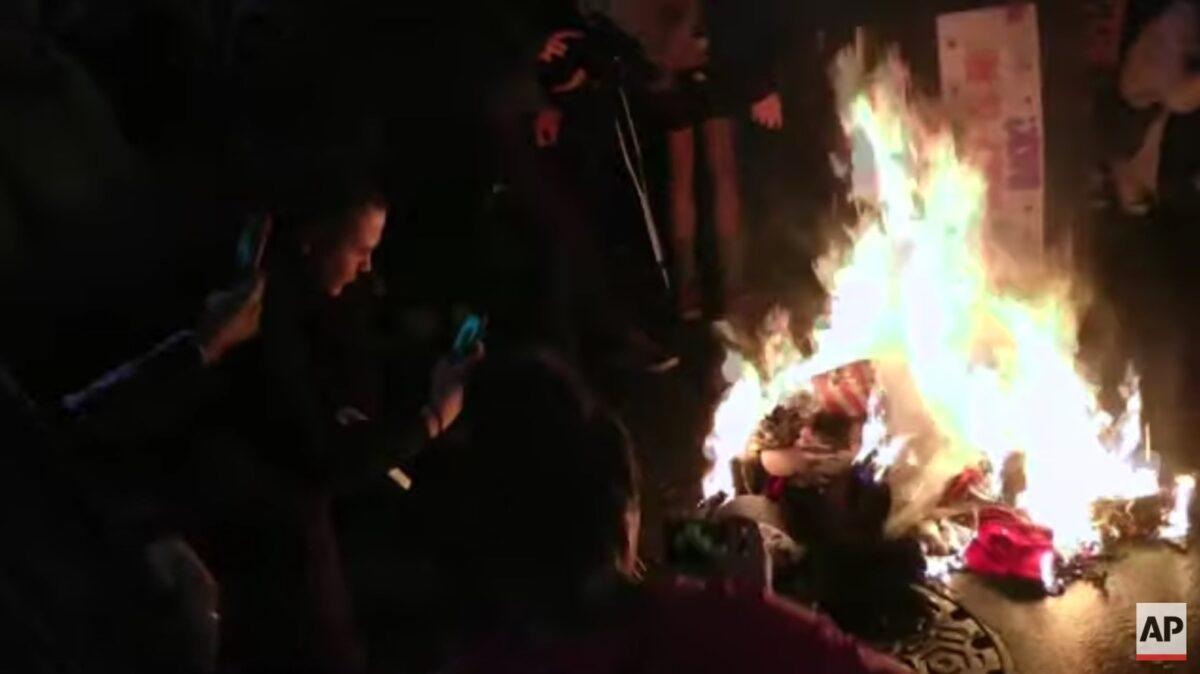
(575, 81)
(230, 318)
(546, 126)
(446, 397)
(747, 564)
(768, 113)
(557, 46)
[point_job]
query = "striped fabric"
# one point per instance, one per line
(846, 390)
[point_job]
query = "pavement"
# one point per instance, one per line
(1090, 628)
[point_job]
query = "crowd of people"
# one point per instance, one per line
(1150, 195)
(354, 201)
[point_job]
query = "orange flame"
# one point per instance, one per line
(972, 372)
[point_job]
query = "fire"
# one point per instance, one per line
(1177, 525)
(973, 371)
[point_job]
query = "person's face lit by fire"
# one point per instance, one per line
(346, 253)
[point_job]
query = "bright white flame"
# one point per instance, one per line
(736, 420)
(940, 567)
(1177, 523)
(972, 372)
(1047, 567)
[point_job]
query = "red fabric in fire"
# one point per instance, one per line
(776, 486)
(846, 390)
(962, 486)
(1009, 545)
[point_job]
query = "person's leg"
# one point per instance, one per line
(584, 198)
(727, 201)
(681, 144)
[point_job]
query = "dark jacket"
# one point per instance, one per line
(269, 465)
(75, 591)
(747, 47)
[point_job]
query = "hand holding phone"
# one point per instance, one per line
(450, 375)
(470, 335)
(231, 317)
(728, 549)
(252, 243)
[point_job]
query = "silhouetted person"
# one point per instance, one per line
(82, 587)
(545, 544)
(303, 418)
(720, 57)
(587, 183)
(72, 200)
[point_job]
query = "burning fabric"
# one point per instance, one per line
(1008, 544)
(810, 437)
(815, 435)
(962, 391)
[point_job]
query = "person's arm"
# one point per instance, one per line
(371, 447)
(142, 398)
(342, 450)
(762, 30)
(160, 390)
(340, 447)
(376, 447)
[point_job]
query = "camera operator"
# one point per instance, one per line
(590, 73)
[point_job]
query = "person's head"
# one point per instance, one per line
(336, 229)
(551, 502)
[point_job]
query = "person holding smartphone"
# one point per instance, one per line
(83, 585)
(544, 559)
(305, 419)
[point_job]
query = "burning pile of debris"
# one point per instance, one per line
(815, 438)
(953, 391)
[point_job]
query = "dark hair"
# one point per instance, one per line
(325, 199)
(550, 476)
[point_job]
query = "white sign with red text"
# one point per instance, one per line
(992, 85)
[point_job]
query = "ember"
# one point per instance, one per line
(996, 450)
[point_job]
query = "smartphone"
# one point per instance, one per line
(728, 549)
(470, 334)
(252, 243)
(704, 546)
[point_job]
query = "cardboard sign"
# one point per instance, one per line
(991, 82)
